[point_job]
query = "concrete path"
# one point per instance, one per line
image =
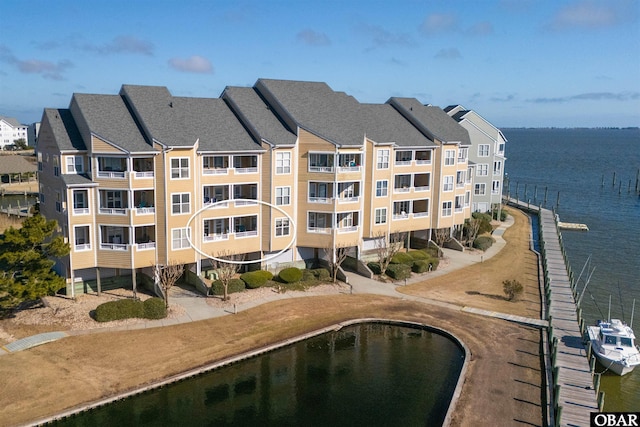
(196, 307)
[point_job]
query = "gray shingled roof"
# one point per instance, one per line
(259, 118)
(385, 124)
(431, 120)
(314, 106)
(107, 117)
(75, 180)
(64, 129)
(12, 121)
(16, 164)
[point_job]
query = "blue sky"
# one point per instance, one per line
(516, 62)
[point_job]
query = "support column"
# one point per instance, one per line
(98, 281)
(134, 282)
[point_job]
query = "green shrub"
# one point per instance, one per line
(398, 271)
(416, 255)
(154, 308)
(307, 275)
(235, 285)
(420, 266)
(483, 242)
(118, 310)
(255, 279)
(432, 251)
(374, 267)
(503, 215)
(402, 258)
(321, 274)
(485, 225)
(290, 275)
(434, 263)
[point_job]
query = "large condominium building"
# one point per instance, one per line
(10, 131)
(281, 172)
(487, 154)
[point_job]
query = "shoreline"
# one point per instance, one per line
(463, 325)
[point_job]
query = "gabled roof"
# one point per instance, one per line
(385, 124)
(433, 121)
(315, 107)
(108, 118)
(11, 121)
(64, 129)
(257, 116)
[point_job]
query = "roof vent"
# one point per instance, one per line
(171, 104)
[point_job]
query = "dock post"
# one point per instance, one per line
(592, 364)
(558, 415)
(596, 383)
(601, 401)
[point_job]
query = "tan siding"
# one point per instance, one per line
(114, 259)
(100, 146)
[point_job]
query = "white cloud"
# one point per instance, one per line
(448, 53)
(591, 14)
(123, 44)
(193, 64)
(48, 69)
(483, 28)
(313, 38)
(438, 23)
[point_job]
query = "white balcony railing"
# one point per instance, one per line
(322, 230)
(402, 215)
(350, 229)
(84, 247)
(348, 199)
(111, 174)
(402, 190)
(423, 188)
(146, 211)
(342, 169)
(246, 170)
(215, 171)
(215, 237)
(321, 169)
(144, 174)
(423, 162)
(402, 163)
(244, 203)
(113, 246)
(113, 211)
(420, 214)
(320, 199)
(146, 246)
(216, 203)
(251, 233)
(81, 211)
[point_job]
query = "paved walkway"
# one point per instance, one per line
(196, 307)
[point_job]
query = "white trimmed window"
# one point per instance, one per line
(462, 155)
(482, 169)
(282, 226)
(480, 189)
(180, 168)
(483, 150)
(381, 216)
(75, 164)
(382, 188)
(383, 159)
(449, 157)
(497, 167)
(283, 163)
(467, 198)
(179, 238)
(56, 165)
(495, 187)
(283, 195)
(448, 183)
(446, 208)
(459, 203)
(81, 238)
(180, 203)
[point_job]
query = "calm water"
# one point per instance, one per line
(370, 375)
(574, 163)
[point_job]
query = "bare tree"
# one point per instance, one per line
(167, 275)
(227, 265)
(387, 246)
(442, 235)
(472, 226)
(336, 255)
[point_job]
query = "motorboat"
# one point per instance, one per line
(613, 344)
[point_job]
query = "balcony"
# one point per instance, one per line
(348, 192)
(216, 195)
(143, 168)
(422, 182)
(112, 167)
(420, 208)
(320, 162)
(402, 184)
(423, 157)
(245, 191)
(347, 222)
(113, 202)
(245, 164)
(216, 229)
(114, 238)
(245, 226)
(349, 162)
(215, 165)
(317, 222)
(143, 202)
(81, 202)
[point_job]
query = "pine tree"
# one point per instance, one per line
(25, 261)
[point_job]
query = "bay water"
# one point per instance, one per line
(589, 176)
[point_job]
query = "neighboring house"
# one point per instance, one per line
(487, 153)
(143, 177)
(10, 131)
(32, 132)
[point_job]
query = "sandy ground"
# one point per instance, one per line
(502, 385)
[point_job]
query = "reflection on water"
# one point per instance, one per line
(371, 374)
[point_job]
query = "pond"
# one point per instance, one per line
(369, 374)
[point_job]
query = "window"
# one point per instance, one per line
(283, 163)
(319, 192)
(180, 168)
(80, 202)
(495, 187)
(462, 155)
(56, 166)
(460, 178)
(282, 226)
(383, 159)
(448, 183)
(180, 203)
(483, 150)
(480, 189)
(381, 216)
(58, 202)
(75, 164)
(482, 169)
(467, 198)
(446, 209)
(179, 238)
(401, 209)
(497, 167)
(382, 188)
(283, 195)
(81, 236)
(449, 157)
(40, 162)
(319, 162)
(459, 203)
